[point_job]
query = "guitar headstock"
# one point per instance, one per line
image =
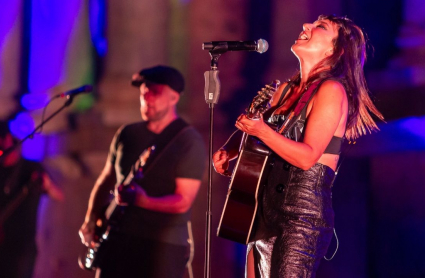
(260, 103)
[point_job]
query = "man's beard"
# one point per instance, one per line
(156, 116)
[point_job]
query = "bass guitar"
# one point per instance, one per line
(97, 248)
(240, 208)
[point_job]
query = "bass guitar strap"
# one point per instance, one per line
(161, 142)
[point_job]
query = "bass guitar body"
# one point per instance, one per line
(94, 253)
(237, 221)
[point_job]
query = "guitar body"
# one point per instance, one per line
(238, 216)
(93, 254)
(237, 221)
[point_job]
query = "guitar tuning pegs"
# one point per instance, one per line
(275, 84)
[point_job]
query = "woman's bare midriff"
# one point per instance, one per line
(330, 160)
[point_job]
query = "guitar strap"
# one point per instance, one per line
(313, 91)
(161, 142)
(298, 114)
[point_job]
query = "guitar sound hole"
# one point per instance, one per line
(280, 187)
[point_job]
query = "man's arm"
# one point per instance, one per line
(98, 199)
(179, 202)
(51, 188)
(188, 171)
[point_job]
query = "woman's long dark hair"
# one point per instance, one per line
(346, 65)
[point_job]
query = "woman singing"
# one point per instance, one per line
(325, 102)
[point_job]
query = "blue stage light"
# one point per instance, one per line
(22, 125)
(34, 101)
(33, 149)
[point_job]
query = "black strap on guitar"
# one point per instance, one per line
(298, 114)
(161, 142)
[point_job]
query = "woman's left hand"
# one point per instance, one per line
(252, 127)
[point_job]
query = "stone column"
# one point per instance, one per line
(10, 55)
(61, 59)
(137, 38)
(411, 41)
(407, 69)
(214, 21)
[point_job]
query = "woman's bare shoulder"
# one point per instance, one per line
(331, 87)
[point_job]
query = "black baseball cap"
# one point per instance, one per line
(160, 75)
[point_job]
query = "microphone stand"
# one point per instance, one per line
(31, 135)
(212, 93)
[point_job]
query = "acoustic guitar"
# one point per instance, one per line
(240, 208)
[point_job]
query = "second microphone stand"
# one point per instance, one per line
(31, 135)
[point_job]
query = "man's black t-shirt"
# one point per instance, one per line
(184, 158)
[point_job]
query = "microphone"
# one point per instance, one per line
(81, 90)
(260, 46)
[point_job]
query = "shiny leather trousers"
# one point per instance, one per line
(295, 221)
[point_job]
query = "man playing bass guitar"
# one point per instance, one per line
(152, 235)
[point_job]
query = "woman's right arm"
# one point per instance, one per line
(229, 151)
